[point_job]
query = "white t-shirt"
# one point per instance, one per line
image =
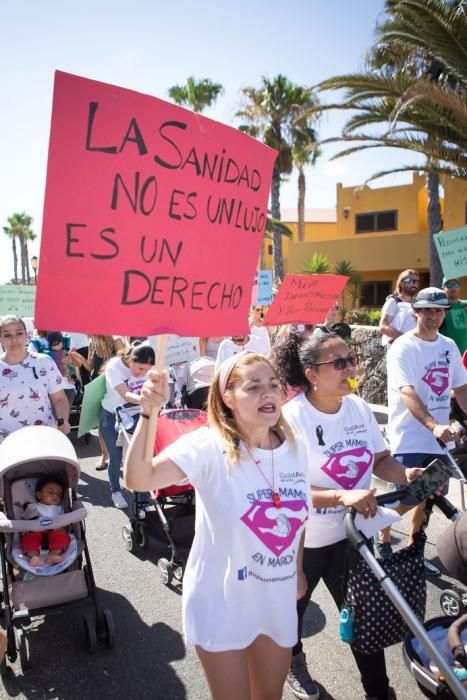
(262, 333)
(25, 390)
(341, 448)
(116, 372)
(401, 314)
(241, 579)
(49, 511)
(433, 369)
(228, 348)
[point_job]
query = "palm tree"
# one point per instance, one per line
(304, 152)
(11, 233)
(270, 113)
(318, 264)
(19, 229)
(196, 94)
(354, 284)
(415, 86)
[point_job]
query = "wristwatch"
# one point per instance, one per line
(60, 422)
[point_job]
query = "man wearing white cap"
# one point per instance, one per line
(423, 368)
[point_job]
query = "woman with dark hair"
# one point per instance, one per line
(31, 386)
(252, 496)
(124, 377)
(345, 447)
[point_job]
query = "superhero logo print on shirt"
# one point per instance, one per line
(276, 527)
(437, 379)
(347, 468)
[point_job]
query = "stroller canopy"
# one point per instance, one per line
(452, 549)
(37, 449)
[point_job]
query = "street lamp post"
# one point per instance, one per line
(35, 265)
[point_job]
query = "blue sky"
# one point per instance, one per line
(149, 45)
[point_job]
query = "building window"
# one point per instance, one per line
(270, 249)
(376, 221)
(374, 293)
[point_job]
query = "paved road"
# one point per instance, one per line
(149, 659)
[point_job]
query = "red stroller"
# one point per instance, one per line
(170, 509)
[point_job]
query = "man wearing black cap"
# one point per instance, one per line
(423, 368)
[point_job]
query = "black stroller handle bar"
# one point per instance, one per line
(359, 541)
(392, 500)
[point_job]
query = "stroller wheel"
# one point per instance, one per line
(129, 538)
(142, 535)
(178, 573)
(23, 646)
(106, 627)
(165, 570)
(451, 603)
(11, 651)
(90, 635)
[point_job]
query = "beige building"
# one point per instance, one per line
(380, 231)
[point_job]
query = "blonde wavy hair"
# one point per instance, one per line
(404, 273)
(101, 345)
(221, 417)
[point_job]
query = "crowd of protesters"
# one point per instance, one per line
(279, 403)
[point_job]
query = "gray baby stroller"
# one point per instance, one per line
(447, 685)
(28, 592)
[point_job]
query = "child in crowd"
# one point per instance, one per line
(49, 494)
(65, 363)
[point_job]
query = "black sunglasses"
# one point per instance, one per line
(340, 362)
(408, 280)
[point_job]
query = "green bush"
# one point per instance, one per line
(364, 317)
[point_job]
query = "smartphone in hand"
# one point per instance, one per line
(425, 485)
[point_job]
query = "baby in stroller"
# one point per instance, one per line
(452, 551)
(49, 493)
(448, 638)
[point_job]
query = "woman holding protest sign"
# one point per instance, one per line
(255, 320)
(31, 390)
(345, 447)
(252, 502)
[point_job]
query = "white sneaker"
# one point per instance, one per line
(118, 500)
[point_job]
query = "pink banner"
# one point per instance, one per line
(153, 216)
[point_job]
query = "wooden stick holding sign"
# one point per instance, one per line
(152, 427)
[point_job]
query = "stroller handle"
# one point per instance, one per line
(446, 507)
(357, 539)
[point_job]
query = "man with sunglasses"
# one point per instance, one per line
(455, 323)
(396, 314)
(423, 368)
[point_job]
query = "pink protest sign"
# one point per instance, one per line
(153, 216)
(305, 299)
